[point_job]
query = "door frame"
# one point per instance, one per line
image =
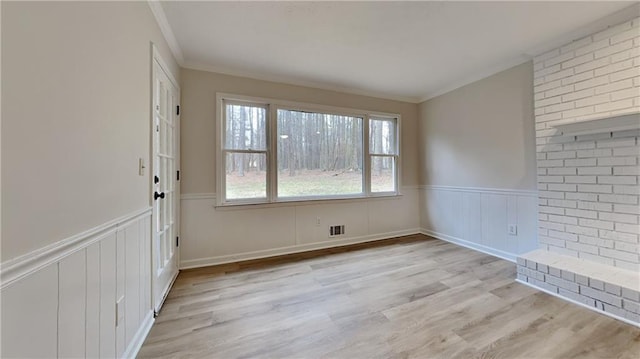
(157, 58)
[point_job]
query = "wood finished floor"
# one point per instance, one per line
(412, 297)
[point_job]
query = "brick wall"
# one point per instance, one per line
(589, 185)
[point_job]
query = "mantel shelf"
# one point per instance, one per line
(599, 125)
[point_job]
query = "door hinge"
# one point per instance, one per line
(178, 110)
(177, 175)
(177, 241)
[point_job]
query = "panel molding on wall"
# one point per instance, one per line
(78, 282)
(478, 218)
(215, 235)
(17, 268)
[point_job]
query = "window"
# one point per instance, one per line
(275, 152)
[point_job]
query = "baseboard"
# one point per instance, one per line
(140, 336)
(20, 267)
(204, 262)
(504, 191)
(594, 309)
(475, 246)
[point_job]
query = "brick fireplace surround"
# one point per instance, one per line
(588, 181)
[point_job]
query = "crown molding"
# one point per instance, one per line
(165, 28)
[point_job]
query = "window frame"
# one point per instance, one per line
(272, 106)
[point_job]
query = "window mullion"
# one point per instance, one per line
(367, 157)
(272, 148)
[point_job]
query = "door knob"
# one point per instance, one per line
(156, 195)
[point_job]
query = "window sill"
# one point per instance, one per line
(306, 202)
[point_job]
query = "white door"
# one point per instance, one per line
(165, 188)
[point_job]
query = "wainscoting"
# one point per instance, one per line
(213, 235)
(61, 301)
(479, 218)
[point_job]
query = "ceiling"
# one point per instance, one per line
(409, 51)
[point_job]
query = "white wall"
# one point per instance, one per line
(477, 164)
(214, 235)
(76, 117)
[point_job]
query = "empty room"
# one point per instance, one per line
(320, 179)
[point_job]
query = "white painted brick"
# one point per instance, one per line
(627, 247)
(611, 31)
(543, 202)
(559, 75)
(582, 248)
(558, 282)
(635, 267)
(554, 272)
(596, 284)
(619, 198)
(576, 297)
(626, 142)
(559, 90)
(591, 65)
(595, 136)
(617, 179)
(561, 155)
(627, 133)
(547, 55)
(583, 196)
(597, 258)
(581, 230)
(580, 279)
(580, 179)
(568, 170)
(559, 107)
(550, 179)
(594, 223)
(615, 67)
(593, 100)
(531, 264)
(595, 188)
(549, 117)
(550, 163)
(546, 71)
(542, 186)
(627, 35)
(632, 190)
(548, 101)
(543, 125)
(615, 254)
(550, 210)
(580, 94)
(583, 162)
(541, 171)
(614, 86)
(563, 219)
(617, 161)
(631, 306)
(577, 60)
(621, 75)
(627, 151)
(521, 261)
(596, 206)
(614, 105)
(628, 54)
(543, 268)
(562, 203)
(594, 170)
(625, 208)
(522, 277)
(592, 46)
(552, 225)
(581, 213)
(543, 285)
(542, 217)
(563, 235)
(549, 194)
(631, 294)
(550, 147)
(541, 156)
(563, 251)
(613, 289)
(602, 296)
(601, 152)
(587, 75)
(621, 46)
(595, 241)
(562, 187)
(547, 86)
(627, 228)
(581, 111)
(551, 241)
(560, 58)
(619, 217)
(625, 94)
(580, 145)
(619, 236)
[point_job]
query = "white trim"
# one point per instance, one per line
(157, 57)
(475, 246)
(165, 28)
(289, 80)
(231, 258)
(580, 304)
(194, 196)
(140, 336)
(506, 191)
(20, 267)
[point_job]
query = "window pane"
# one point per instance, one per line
(318, 154)
(382, 136)
(246, 175)
(383, 174)
(245, 127)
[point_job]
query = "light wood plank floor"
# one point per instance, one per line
(412, 297)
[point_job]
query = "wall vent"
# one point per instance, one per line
(336, 230)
